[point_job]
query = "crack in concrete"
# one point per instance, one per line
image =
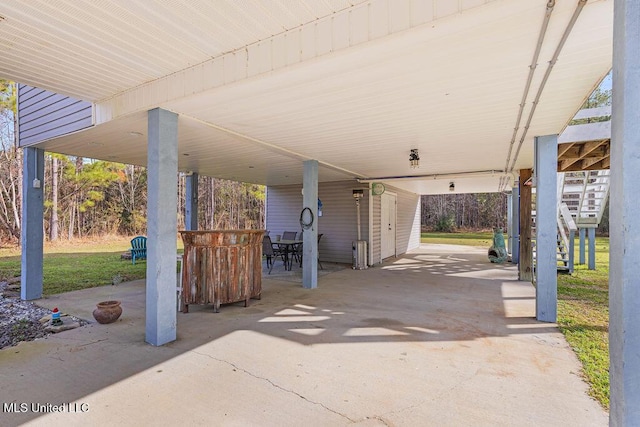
(382, 420)
(387, 414)
(422, 402)
(275, 385)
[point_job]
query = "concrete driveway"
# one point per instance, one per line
(436, 337)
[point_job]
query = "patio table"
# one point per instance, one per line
(288, 247)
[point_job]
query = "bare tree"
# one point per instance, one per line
(10, 164)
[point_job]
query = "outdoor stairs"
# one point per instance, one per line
(562, 255)
(582, 196)
(585, 194)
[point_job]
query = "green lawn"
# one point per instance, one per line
(583, 308)
(583, 317)
(78, 265)
(483, 239)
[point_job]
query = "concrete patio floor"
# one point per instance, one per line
(436, 337)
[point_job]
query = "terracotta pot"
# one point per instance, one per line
(107, 311)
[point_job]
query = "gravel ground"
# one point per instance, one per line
(19, 320)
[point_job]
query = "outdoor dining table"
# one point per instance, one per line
(288, 247)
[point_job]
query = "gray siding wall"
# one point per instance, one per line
(338, 223)
(43, 115)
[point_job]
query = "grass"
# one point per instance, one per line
(583, 317)
(583, 308)
(80, 264)
(483, 239)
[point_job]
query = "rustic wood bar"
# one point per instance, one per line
(221, 267)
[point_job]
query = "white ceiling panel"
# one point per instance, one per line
(354, 84)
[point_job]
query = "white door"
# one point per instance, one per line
(388, 225)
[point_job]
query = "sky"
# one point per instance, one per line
(606, 82)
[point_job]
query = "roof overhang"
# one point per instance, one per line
(353, 84)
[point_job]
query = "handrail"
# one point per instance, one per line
(566, 220)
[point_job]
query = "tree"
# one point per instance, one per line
(10, 164)
(598, 98)
(446, 212)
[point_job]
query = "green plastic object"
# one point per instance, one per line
(498, 251)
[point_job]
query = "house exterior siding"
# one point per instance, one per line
(408, 221)
(338, 224)
(339, 220)
(43, 115)
(376, 256)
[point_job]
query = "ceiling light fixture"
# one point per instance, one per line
(414, 159)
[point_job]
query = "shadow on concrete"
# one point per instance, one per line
(427, 317)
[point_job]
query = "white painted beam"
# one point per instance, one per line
(362, 23)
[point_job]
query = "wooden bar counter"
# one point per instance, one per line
(221, 266)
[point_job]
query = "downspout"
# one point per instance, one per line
(532, 68)
(554, 58)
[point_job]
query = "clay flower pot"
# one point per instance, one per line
(107, 311)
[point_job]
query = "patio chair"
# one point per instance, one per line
(138, 248)
(270, 252)
(298, 252)
(289, 235)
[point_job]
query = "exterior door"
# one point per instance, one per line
(388, 225)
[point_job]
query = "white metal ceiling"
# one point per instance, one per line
(369, 80)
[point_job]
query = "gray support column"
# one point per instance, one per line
(162, 226)
(572, 250)
(592, 249)
(32, 216)
(509, 222)
(583, 233)
(624, 268)
(546, 163)
(515, 211)
(310, 239)
(191, 202)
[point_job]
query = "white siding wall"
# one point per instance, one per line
(408, 225)
(376, 256)
(43, 115)
(338, 223)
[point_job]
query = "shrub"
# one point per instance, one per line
(446, 224)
